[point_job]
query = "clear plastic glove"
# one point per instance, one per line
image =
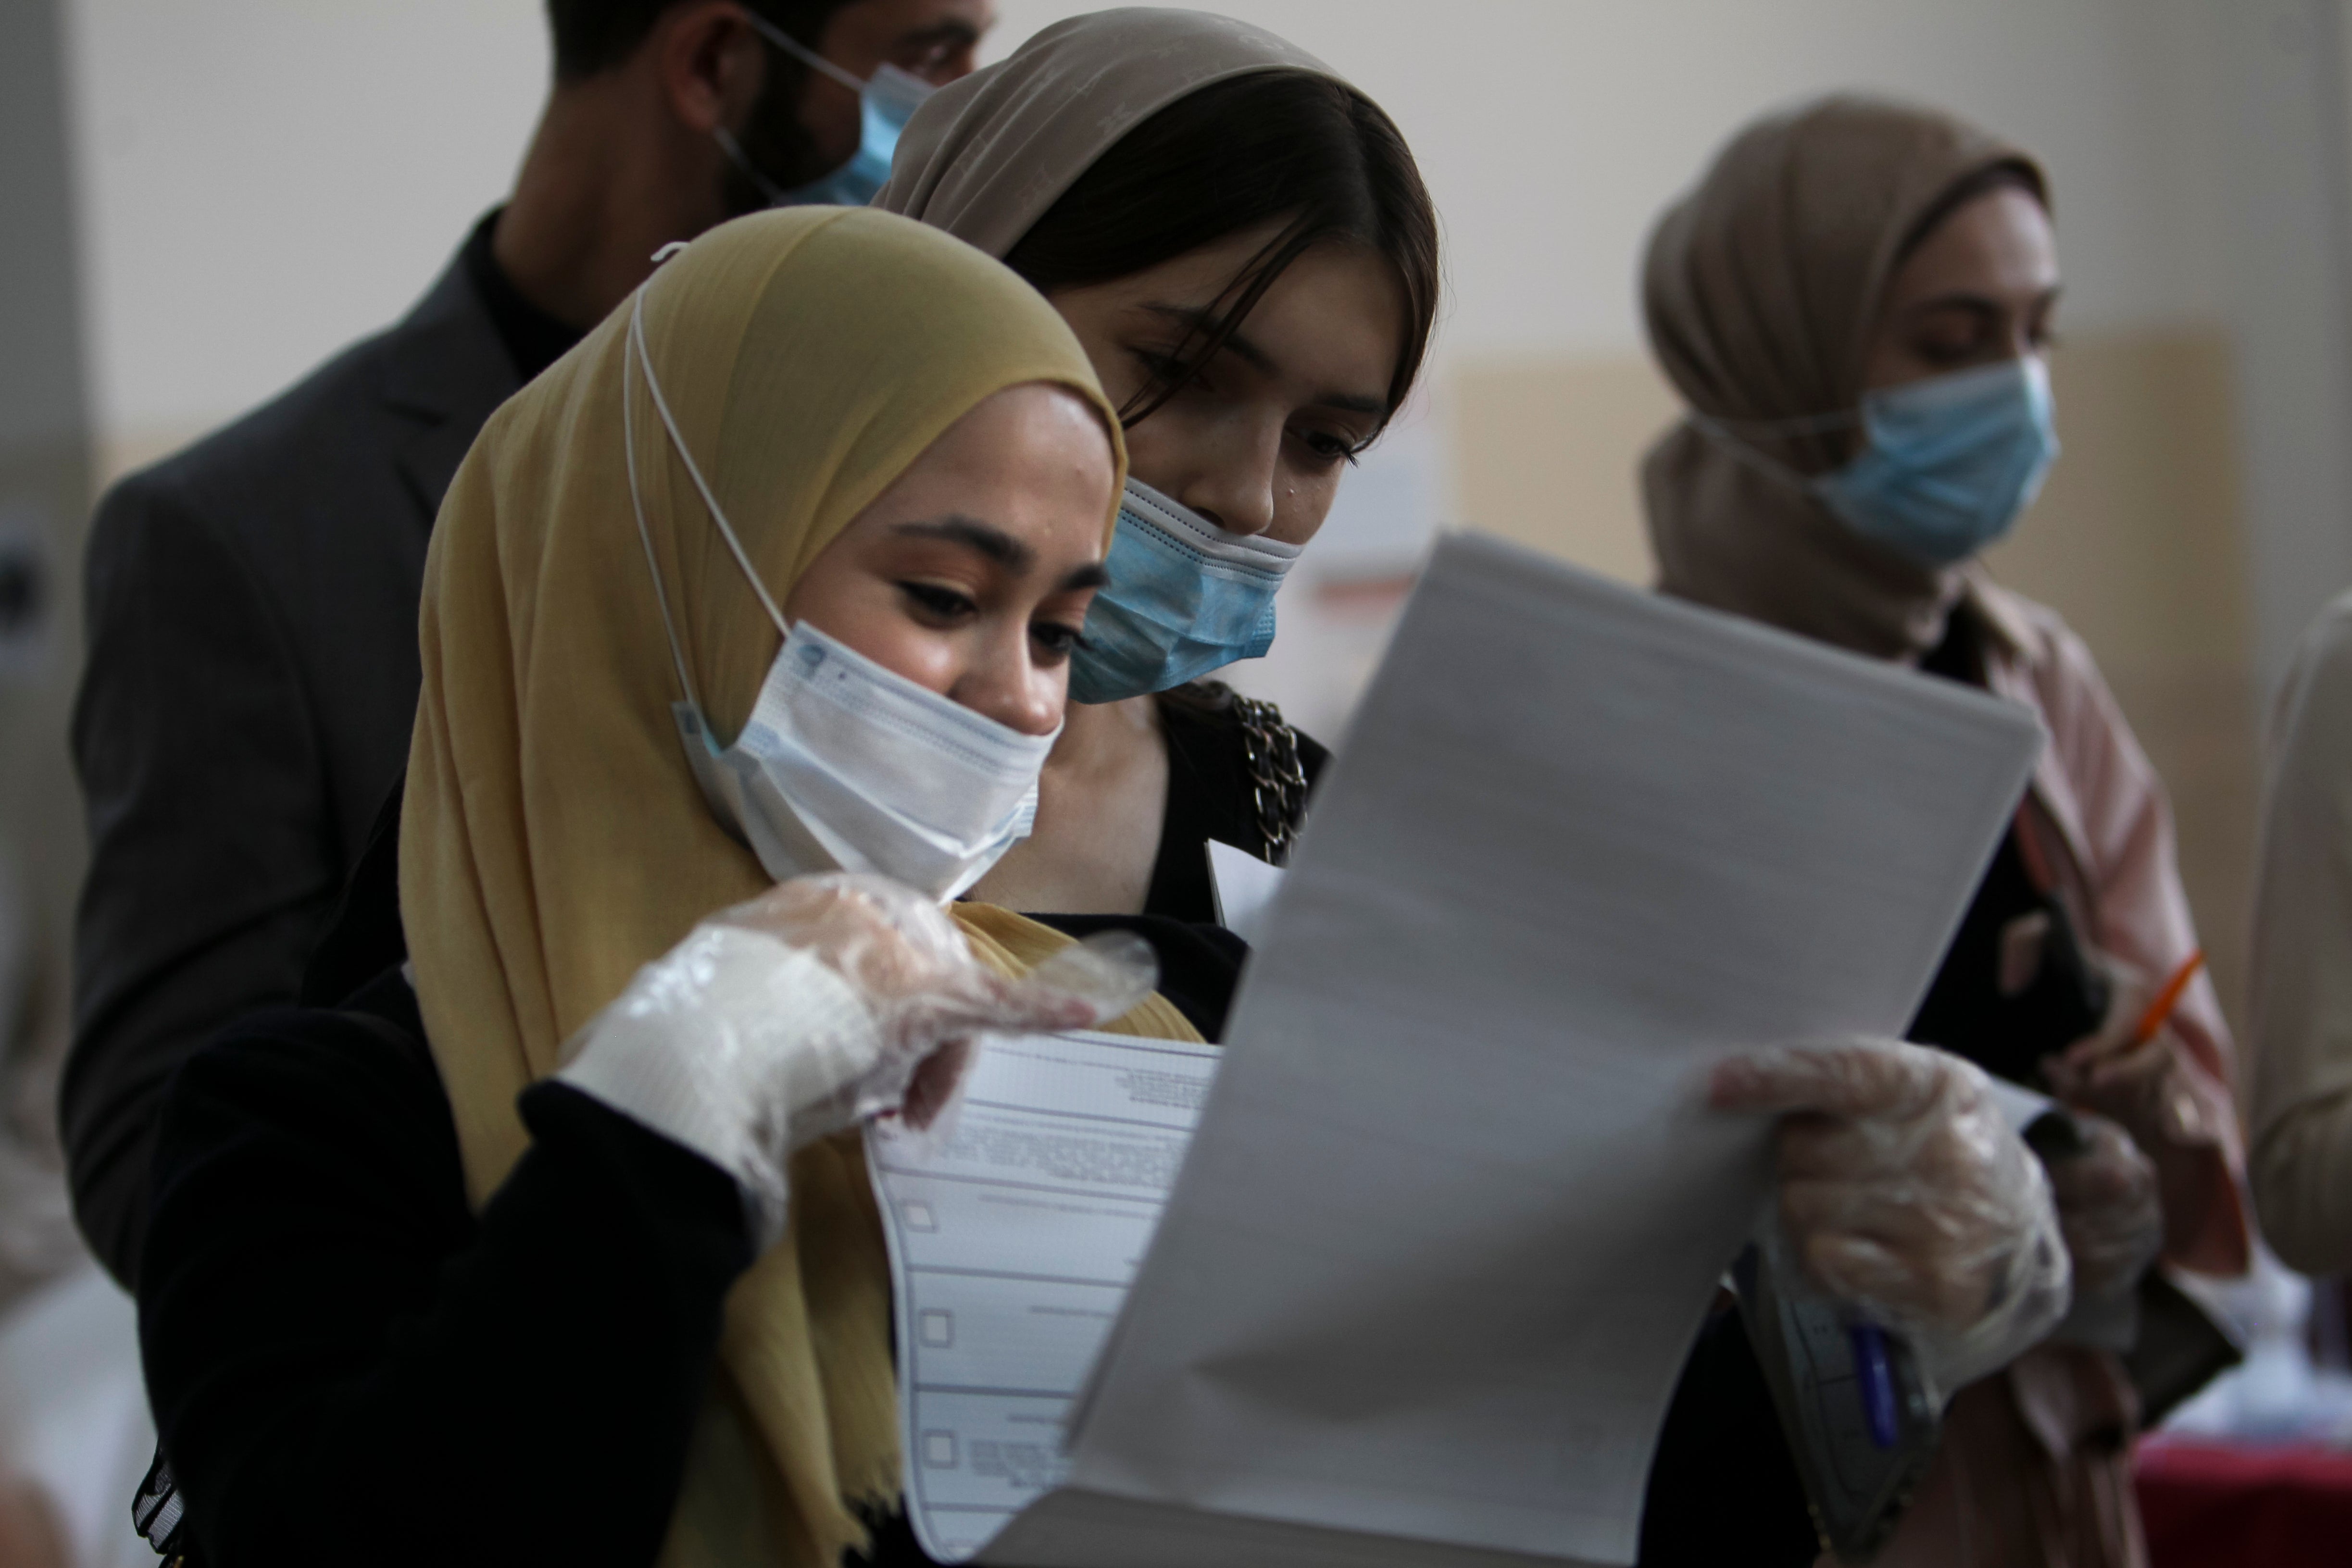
(2108, 1208)
(822, 1002)
(1905, 1194)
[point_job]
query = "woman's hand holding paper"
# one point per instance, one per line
(824, 1001)
(1904, 1192)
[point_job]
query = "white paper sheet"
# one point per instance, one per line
(1244, 886)
(1012, 1242)
(1454, 1210)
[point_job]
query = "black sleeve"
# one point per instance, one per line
(1723, 1488)
(345, 1366)
(212, 864)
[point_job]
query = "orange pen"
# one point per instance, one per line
(2166, 1000)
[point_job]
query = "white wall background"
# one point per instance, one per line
(264, 180)
(1551, 131)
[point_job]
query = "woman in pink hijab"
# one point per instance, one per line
(1856, 303)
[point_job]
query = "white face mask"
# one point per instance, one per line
(844, 765)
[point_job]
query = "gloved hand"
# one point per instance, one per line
(2107, 1209)
(822, 1002)
(1905, 1194)
(2143, 1086)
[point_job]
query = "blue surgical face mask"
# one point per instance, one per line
(1184, 597)
(885, 102)
(1946, 465)
(1949, 462)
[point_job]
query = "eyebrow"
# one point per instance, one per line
(992, 543)
(1966, 300)
(1196, 319)
(996, 544)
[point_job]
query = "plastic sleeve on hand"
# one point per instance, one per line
(1910, 1197)
(2035, 1291)
(718, 1041)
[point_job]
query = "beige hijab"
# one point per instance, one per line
(984, 158)
(554, 839)
(1760, 291)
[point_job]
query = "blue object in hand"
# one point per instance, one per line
(1874, 1381)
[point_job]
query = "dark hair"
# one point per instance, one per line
(2009, 174)
(592, 35)
(1283, 146)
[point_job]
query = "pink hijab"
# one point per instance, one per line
(1759, 291)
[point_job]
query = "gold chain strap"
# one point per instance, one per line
(1277, 783)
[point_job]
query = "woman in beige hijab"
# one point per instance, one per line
(1855, 303)
(410, 1302)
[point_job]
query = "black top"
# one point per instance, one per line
(342, 1357)
(1209, 797)
(2015, 985)
(534, 340)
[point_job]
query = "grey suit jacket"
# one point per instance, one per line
(251, 680)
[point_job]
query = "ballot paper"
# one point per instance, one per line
(1455, 1208)
(1012, 1235)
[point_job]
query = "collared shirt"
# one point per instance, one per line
(534, 338)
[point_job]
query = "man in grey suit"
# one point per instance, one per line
(252, 665)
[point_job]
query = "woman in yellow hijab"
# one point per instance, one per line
(778, 572)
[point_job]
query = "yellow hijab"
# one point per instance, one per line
(554, 839)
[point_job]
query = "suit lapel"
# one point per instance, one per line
(446, 372)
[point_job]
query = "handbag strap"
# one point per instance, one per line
(1278, 783)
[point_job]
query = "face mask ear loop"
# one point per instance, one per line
(661, 406)
(1731, 446)
(1732, 436)
(801, 51)
(637, 501)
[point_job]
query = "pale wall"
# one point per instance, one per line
(263, 180)
(1551, 131)
(43, 489)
